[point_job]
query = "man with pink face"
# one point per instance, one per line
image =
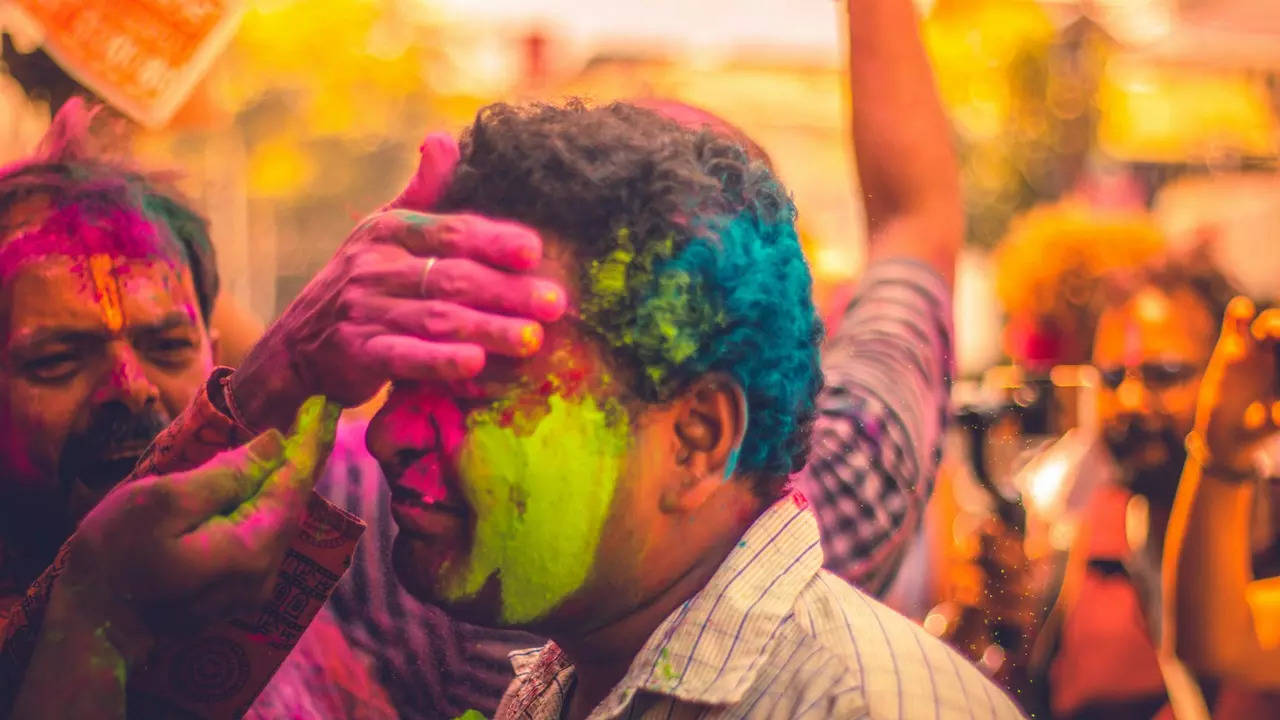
(108, 284)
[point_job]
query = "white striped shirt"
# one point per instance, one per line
(773, 635)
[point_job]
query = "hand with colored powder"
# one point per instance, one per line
(173, 551)
(409, 296)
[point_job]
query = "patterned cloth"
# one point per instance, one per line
(773, 635)
(321, 678)
(877, 442)
(878, 438)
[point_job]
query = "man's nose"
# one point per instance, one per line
(412, 424)
(1132, 395)
(125, 380)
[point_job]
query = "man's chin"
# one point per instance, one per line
(419, 563)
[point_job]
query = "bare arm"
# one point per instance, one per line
(902, 140)
(1212, 600)
(1218, 619)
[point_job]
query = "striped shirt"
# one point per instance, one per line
(876, 446)
(773, 635)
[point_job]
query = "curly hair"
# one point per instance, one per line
(688, 260)
(107, 193)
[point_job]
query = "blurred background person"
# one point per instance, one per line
(1097, 651)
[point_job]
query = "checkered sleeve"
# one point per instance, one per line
(878, 436)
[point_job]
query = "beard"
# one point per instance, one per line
(1150, 454)
(97, 458)
(92, 462)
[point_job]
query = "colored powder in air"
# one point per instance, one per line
(541, 496)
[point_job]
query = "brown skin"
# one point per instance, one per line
(673, 520)
(61, 360)
(1157, 345)
(1218, 618)
(906, 164)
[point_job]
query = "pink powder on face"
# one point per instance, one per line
(431, 423)
(78, 231)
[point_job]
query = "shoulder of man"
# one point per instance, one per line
(900, 670)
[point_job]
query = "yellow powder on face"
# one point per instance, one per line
(107, 287)
(541, 496)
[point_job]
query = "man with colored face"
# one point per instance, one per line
(624, 490)
(108, 283)
(878, 428)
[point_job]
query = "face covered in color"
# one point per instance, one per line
(1151, 352)
(528, 495)
(103, 342)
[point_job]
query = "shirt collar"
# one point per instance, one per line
(710, 649)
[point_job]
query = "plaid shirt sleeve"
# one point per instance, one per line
(878, 436)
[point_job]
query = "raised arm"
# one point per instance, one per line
(888, 364)
(1218, 619)
(902, 140)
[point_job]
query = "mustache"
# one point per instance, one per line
(106, 450)
(1129, 436)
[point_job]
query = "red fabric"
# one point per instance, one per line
(1104, 653)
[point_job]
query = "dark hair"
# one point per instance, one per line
(1195, 272)
(688, 257)
(695, 118)
(64, 174)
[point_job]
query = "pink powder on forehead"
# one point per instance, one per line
(79, 231)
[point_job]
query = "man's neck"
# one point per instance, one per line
(601, 657)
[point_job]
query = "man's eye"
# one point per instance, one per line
(53, 368)
(1168, 375)
(173, 351)
(1112, 378)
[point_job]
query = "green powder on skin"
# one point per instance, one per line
(541, 497)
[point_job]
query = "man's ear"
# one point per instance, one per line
(709, 422)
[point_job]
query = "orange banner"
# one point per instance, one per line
(142, 56)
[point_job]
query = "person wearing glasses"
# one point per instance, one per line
(1097, 650)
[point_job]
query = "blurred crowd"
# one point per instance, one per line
(575, 424)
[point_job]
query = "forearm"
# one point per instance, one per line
(1207, 570)
(202, 431)
(902, 139)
